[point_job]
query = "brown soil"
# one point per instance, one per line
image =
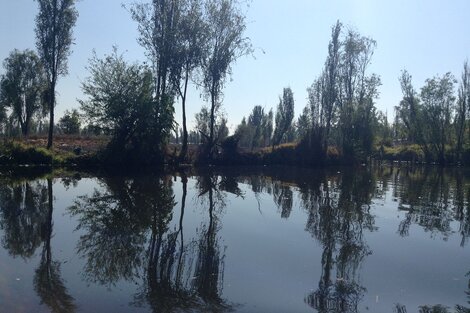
(63, 143)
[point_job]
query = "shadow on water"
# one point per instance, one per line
(132, 229)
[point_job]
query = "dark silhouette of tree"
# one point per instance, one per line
(203, 124)
(284, 116)
(225, 44)
(463, 102)
(408, 111)
(322, 108)
(187, 56)
(69, 124)
(54, 24)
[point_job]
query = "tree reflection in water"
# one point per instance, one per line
(338, 214)
(209, 265)
(128, 235)
(132, 229)
(433, 199)
(47, 280)
(24, 212)
(27, 210)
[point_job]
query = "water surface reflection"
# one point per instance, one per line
(386, 239)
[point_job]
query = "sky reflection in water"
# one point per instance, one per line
(375, 239)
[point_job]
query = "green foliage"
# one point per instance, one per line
(463, 102)
(358, 93)
(225, 43)
(303, 123)
(284, 115)
(341, 104)
(70, 123)
(54, 24)
(410, 153)
(15, 153)
(120, 102)
(203, 125)
(256, 133)
(438, 100)
(22, 87)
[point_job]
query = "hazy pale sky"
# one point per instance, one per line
(426, 37)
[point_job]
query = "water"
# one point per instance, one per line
(239, 240)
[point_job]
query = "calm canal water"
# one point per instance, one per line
(379, 239)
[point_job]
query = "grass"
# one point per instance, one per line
(409, 153)
(18, 153)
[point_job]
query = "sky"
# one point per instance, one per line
(425, 37)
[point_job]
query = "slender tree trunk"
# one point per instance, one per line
(212, 122)
(51, 114)
(24, 129)
(184, 147)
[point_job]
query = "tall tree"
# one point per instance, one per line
(22, 86)
(54, 24)
(255, 121)
(284, 115)
(158, 24)
(316, 109)
(191, 34)
(342, 97)
(303, 123)
(225, 44)
(438, 102)
(463, 101)
(245, 134)
(358, 92)
(408, 111)
(330, 80)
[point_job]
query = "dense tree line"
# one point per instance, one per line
(189, 42)
(436, 118)
(341, 114)
(184, 40)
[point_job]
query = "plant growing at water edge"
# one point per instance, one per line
(121, 103)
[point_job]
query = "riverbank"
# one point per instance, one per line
(86, 152)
